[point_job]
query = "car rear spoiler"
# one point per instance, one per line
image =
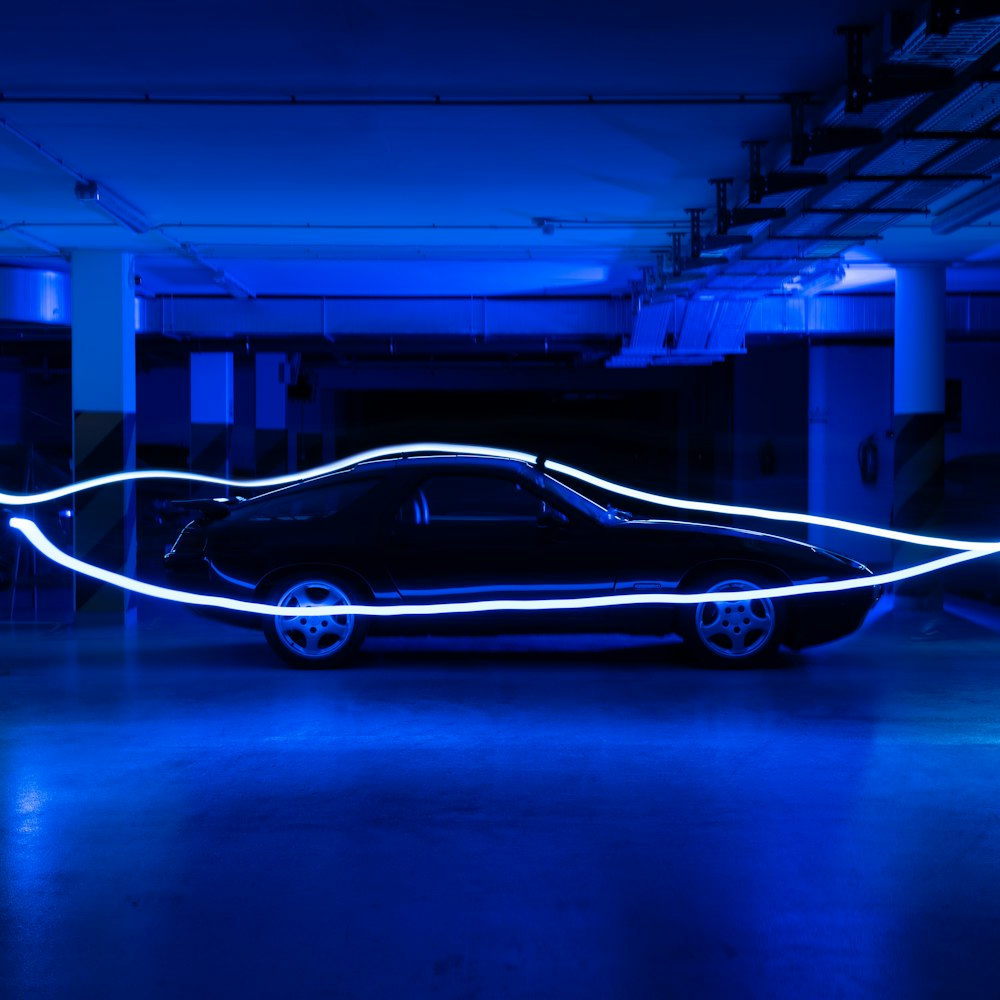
(212, 508)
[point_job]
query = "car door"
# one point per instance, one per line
(473, 536)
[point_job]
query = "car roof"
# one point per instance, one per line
(403, 464)
(411, 462)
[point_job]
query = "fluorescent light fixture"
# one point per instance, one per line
(968, 211)
(815, 279)
(113, 206)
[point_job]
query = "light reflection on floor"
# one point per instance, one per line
(182, 816)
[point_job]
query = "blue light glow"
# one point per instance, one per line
(771, 515)
(966, 550)
(424, 448)
(26, 499)
(32, 533)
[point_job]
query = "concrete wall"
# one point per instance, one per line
(858, 403)
(770, 399)
(977, 367)
(10, 404)
(851, 389)
(163, 406)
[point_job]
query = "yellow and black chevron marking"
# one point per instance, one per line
(104, 519)
(918, 488)
(271, 452)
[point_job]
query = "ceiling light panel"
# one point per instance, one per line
(906, 157)
(974, 157)
(851, 195)
(974, 108)
(963, 45)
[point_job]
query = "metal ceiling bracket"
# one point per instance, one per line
(725, 241)
(781, 182)
(863, 210)
(858, 82)
(836, 140)
(676, 256)
(751, 216)
(721, 204)
(944, 178)
(800, 141)
(815, 239)
(945, 14)
(695, 216)
(757, 191)
(895, 81)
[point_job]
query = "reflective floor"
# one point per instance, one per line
(182, 816)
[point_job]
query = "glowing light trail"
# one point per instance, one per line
(430, 448)
(26, 499)
(32, 533)
(770, 515)
(965, 550)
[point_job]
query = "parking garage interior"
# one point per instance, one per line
(744, 256)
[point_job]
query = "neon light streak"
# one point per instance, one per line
(17, 499)
(25, 499)
(770, 515)
(32, 533)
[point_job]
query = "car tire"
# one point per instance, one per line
(314, 642)
(734, 633)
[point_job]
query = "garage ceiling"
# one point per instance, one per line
(443, 149)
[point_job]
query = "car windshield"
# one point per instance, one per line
(575, 500)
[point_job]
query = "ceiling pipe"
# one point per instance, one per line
(120, 211)
(434, 100)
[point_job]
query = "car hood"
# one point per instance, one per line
(759, 540)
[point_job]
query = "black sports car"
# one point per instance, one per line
(430, 529)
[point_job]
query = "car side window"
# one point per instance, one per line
(469, 499)
(320, 501)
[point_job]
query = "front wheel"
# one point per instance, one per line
(735, 631)
(313, 641)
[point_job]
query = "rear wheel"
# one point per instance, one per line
(735, 631)
(314, 641)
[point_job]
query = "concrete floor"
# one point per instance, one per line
(182, 816)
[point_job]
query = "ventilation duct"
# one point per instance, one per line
(30, 296)
(699, 330)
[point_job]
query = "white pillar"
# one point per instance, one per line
(819, 419)
(103, 339)
(918, 413)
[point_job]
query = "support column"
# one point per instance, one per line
(211, 414)
(103, 341)
(918, 413)
(272, 419)
(328, 416)
(819, 419)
